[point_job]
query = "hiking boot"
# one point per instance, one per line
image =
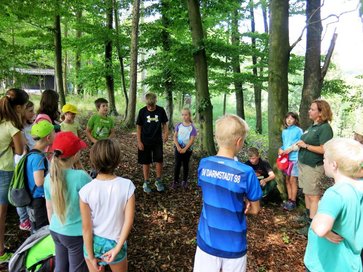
(289, 206)
(302, 219)
(159, 186)
(5, 258)
(26, 225)
(174, 185)
(184, 184)
(146, 187)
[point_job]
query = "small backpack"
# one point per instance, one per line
(19, 194)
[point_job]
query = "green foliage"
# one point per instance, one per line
(335, 86)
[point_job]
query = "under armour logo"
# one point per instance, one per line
(155, 119)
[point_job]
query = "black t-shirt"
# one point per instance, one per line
(150, 122)
(261, 168)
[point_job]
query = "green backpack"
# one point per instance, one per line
(19, 194)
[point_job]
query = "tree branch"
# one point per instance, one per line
(325, 67)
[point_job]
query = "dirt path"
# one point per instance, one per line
(164, 232)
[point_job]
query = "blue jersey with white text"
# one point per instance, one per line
(222, 225)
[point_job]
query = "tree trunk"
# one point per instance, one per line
(312, 71)
(235, 38)
(278, 73)
(58, 56)
(257, 88)
(78, 85)
(205, 107)
(130, 117)
(167, 73)
(120, 56)
(65, 62)
(108, 60)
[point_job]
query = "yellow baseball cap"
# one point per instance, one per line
(69, 108)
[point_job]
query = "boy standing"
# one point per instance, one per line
(262, 169)
(152, 132)
(100, 126)
(226, 184)
(36, 169)
(69, 123)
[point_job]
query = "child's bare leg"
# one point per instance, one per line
(288, 187)
(119, 267)
(146, 171)
(159, 169)
(293, 186)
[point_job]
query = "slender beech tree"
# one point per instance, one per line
(204, 105)
(279, 53)
(108, 59)
(314, 74)
(58, 53)
(120, 55)
(130, 117)
(77, 68)
(65, 61)
(235, 38)
(167, 73)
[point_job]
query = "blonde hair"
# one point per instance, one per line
(229, 128)
(324, 109)
(150, 99)
(348, 155)
(190, 114)
(59, 186)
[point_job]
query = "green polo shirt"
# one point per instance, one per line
(317, 134)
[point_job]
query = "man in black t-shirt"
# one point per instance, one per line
(152, 132)
(262, 169)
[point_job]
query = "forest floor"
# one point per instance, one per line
(163, 237)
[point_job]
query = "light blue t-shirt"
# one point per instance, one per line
(75, 180)
(184, 134)
(290, 136)
(35, 162)
(222, 225)
(344, 203)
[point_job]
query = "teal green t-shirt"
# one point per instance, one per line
(344, 203)
(317, 134)
(100, 126)
(75, 180)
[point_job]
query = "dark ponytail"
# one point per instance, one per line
(13, 97)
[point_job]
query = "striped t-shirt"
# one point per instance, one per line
(222, 224)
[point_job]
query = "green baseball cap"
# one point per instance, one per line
(41, 129)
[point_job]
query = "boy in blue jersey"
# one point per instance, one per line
(230, 190)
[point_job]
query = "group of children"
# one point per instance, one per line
(90, 219)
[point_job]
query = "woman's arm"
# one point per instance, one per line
(19, 143)
(126, 228)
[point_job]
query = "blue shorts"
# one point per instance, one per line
(102, 245)
(5, 179)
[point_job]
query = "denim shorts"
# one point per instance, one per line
(102, 245)
(5, 178)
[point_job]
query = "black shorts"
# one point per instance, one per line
(150, 154)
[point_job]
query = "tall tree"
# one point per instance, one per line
(120, 55)
(279, 54)
(65, 61)
(314, 74)
(130, 117)
(58, 53)
(257, 88)
(235, 38)
(78, 85)
(205, 108)
(167, 73)
(108, 59)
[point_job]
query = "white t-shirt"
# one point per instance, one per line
(107, 200)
